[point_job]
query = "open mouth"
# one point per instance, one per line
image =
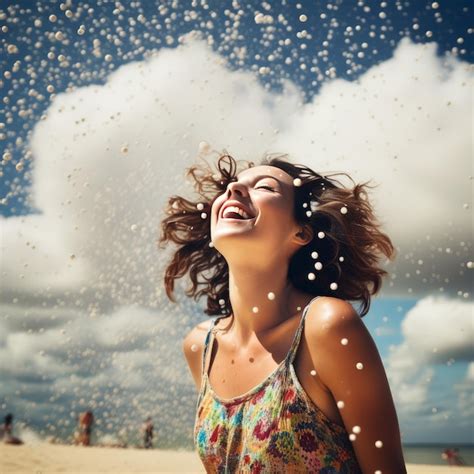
(234, 213)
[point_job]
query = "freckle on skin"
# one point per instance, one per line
(251, 359)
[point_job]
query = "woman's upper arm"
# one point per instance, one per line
(354, 373)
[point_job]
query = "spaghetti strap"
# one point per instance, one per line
(206, 343)
(204, 354)
(296, 340)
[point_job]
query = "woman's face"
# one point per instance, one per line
(266, 192)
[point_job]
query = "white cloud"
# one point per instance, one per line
(434, 331)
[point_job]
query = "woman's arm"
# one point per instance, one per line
(365, 392)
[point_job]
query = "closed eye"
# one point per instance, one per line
(266, 187)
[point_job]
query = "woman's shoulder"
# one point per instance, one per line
(193, 348)
(326, 311)
(197, 335)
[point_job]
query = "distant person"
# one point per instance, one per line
(453, 457)
(148, 433)
(6, 431)
(86, 419)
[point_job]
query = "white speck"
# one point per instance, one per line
(311, 276)
(19, 166)
(309, 213)
(343, 210)
(340, 404)
(303, 18)
(194, 348)
(255, 309)
(318, 265)
(203, 215)
(271, 295)
(360, 365)
(378, 471)
(352, 437)
(344, 341)
(313, 372)
(435, 5)
(378, 444)
(314, 254)
(211, 244)
(200, 206)
(222, 302)
(204, 147)
(356, 429)
(124, 149)
(297, 182)
(321, 234)
(382, 15)
(133, 227)
(341, 259)
(333, 286)
(470, 264)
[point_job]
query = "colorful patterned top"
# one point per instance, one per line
(273, 428)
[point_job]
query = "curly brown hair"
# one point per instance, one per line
(350, 251)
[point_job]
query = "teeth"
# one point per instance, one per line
(237, 210)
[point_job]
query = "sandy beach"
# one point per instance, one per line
(43, 458)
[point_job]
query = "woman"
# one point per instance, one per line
(289, 378)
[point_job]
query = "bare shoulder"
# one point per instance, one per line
(193, 349)
(328, 313)
(331, 324)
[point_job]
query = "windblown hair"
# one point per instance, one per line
(350, 250)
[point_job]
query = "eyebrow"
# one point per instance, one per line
(266, 176)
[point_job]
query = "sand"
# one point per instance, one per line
(44, 458)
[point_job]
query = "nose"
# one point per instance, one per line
(235, 188)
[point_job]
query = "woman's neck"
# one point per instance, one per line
(261, 300)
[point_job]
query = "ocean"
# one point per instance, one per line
(431, 453)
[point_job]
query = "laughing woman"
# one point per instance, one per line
(289, 378)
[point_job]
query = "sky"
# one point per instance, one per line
(104, 105)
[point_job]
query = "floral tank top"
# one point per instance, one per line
(273, 428)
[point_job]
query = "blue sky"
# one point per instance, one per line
(377, 89)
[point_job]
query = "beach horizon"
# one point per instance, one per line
(43, 457)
